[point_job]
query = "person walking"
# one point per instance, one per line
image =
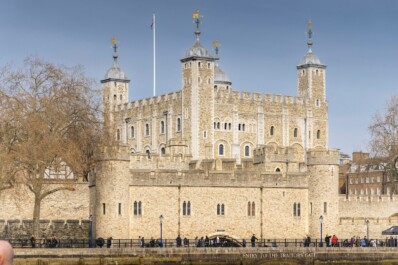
(253, 240)
(178, 241)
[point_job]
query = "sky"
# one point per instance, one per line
(261, 43)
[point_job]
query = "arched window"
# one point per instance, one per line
(118, 134)
(132, 131)
(221, 149)
(318, 134)
(218, 125)
(277, 169)
(247, 150)
(253, 209)
(148, 153)
(146, 129)
(243, 127)
(229, 126)
(178, 125)
(139, 208)
(162, 127)
(294, 209)
(222, 209)
(249, 211)
(239, 127)
(271, 131)
(184, 208)
(295, 132)
(163, 151)
(218, 209)
(225, 126)
(114, 97)
(298, 209)
(199, 64)
(189, 208)
(215, 125)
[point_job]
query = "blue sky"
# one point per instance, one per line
(261, 44)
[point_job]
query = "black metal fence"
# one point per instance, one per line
(167, 243)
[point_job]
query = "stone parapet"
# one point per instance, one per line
(323, 157)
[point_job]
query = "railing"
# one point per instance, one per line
(167, 243)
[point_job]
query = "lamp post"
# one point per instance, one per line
(321, 221)
(90, 243)
(367, 229)
(161, 230)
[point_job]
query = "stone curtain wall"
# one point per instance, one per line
(18, 203)
(64, 214)
(62, 229)
(381, 211)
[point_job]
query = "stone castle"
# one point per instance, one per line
(211, 159)
(216, 161)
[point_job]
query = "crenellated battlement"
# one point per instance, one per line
(150, 101)
(323, 157)
(368, 198)
(269, 153)
(114, 152)
(239, 96)
(155, 161)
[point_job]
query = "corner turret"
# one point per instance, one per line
(311, 74)
(198, 97)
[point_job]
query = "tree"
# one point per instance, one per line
(384, 139)
(51, 117)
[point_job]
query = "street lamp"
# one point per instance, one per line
(90, 243)
(161, 232)
(321, 221)
(367, 229)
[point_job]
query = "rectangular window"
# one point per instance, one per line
(120, 208)
(103, 208)
(325, 207)
(310, 207)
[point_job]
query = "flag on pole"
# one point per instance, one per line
(153, 22)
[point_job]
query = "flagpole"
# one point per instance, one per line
(154, 54)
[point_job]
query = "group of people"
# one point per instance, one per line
(151, 244)
(46, 242)
(330, 241)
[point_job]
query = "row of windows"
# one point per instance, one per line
(227, 126)
(251, 207)
(147, 129)
(200, 65)
(189, 81)
(295, 132)
(365, 180)
(221, 150)
(367, 191)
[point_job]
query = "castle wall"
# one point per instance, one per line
(273, 215)
(381, 211)
(18, 203)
